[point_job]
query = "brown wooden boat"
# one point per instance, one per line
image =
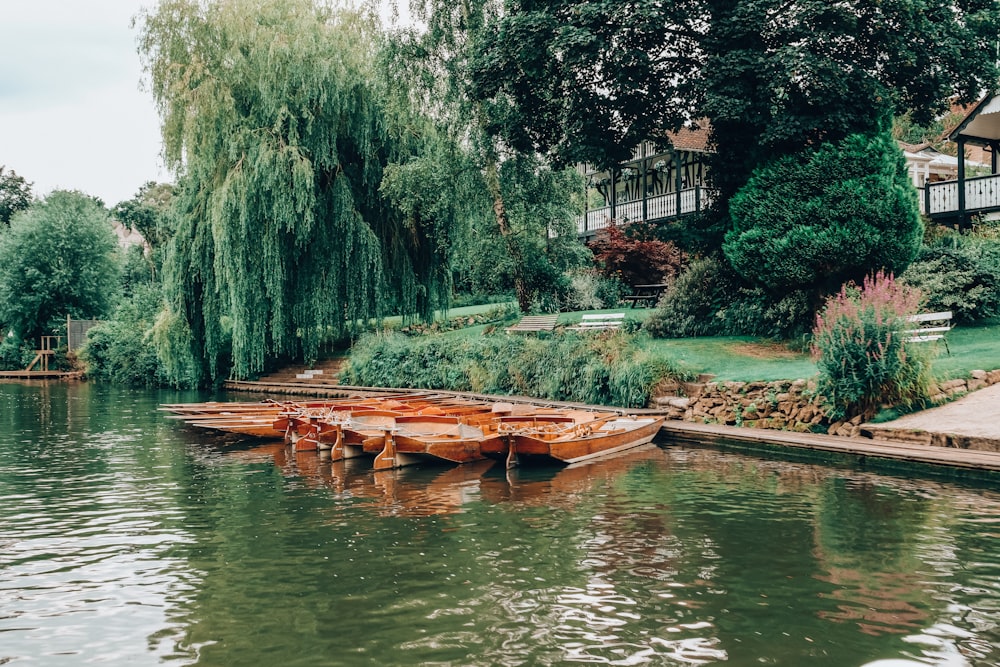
(399, 430)
(570, 438)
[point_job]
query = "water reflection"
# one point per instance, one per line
(126, 539)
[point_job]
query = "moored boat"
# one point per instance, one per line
(565, 441)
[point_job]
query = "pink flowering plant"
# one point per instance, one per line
(861, 349)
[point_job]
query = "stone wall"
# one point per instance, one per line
(787, 405)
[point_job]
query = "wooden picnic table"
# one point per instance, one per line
(647, 295)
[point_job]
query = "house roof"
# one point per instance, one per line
(691, 138)
(981, 124)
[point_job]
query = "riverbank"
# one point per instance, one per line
(930, 438)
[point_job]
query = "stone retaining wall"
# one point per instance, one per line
(787, 405)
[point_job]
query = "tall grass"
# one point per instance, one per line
(600, 370)
(863, 357)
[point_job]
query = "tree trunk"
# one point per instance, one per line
(513, 249)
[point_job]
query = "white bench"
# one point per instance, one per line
(601, 322)
(930, 326)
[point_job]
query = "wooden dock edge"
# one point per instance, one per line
(857, 448)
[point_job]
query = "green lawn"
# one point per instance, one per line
(745, 359)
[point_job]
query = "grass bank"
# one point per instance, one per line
(748, 359)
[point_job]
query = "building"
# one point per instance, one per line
(661, 182)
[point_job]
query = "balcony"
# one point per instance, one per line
(657, 208)
(941, 201)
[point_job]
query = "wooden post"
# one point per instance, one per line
(678, 179)
(614, 192)
(961, 182)
(643, 169)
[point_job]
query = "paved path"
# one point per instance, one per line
(972, 421)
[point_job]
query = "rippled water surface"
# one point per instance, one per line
(128, 539)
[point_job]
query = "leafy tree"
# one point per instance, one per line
(827, 216)
(588, 79)
(280, 138)
(58, 258)
(148, 212)
(15, 194)
(527, 199)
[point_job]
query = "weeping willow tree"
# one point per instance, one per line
(280, 137)
(525, 219)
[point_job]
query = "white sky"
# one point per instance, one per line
(72, 115)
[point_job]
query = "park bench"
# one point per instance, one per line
(645, 295)
(929, 327)
(535, 323)
(603, 322)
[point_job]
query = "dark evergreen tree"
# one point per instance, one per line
(815, 220)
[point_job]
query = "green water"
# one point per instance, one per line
(127, 539)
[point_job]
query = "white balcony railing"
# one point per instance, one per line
(981, 193)
(659, 207)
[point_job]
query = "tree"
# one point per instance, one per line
(528, 200)
(15, 194)
(58, 258)
(148, 212)
(827, 216)
(588, 79)
(280, 139)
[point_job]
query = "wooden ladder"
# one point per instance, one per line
(49, 346)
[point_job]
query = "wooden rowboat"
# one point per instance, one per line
(571, 442)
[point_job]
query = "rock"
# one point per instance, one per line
(975, 384)
(978, 375)
(693, 389)
(680, 403)
(834, 427)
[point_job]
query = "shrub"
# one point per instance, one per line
(861, 352)
(824, 217)
(690, 306)
(15, 354)
(634, 257)
(960, 274)
(121, 350)
(590, 290)
(605, 370)
(710, 300)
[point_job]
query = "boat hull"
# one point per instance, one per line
(608, 438)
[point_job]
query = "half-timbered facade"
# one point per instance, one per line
(660, 183)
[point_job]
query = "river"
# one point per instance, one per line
(127, 538)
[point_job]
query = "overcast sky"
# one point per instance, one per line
(72, 115)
